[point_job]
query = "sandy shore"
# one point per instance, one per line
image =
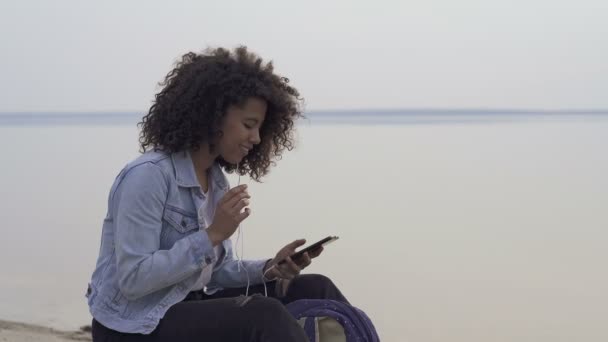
(22, 332)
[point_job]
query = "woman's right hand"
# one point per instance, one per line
(228, 214)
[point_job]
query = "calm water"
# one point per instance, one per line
(455, 229)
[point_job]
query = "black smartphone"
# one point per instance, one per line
(297, 255)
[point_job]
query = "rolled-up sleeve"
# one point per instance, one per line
(143, 268)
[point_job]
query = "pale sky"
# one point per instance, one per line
(60, 55)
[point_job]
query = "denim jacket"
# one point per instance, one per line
(153, 248)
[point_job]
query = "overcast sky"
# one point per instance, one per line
(109, 55)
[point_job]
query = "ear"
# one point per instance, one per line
(215, 138)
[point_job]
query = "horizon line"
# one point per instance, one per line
(461, 110)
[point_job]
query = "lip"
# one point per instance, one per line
(244, 149)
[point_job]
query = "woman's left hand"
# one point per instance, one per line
(289, 269)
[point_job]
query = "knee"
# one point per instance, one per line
(313, 286)
(266, 310)
(312, 281)
(265, 304)
(269, 320)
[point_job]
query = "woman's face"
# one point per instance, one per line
(241, 128)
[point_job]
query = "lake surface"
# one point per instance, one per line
(453, 226)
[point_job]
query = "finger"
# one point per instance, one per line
(316, 252)
(291, 268)
(232, 192)
(271, 273)
(280, 272)
(293, 245)
(239, 206)
(305, 261)
(236, 198)
(285, 273)
(242, 216)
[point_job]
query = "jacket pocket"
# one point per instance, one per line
(180, 220)
(115, 301)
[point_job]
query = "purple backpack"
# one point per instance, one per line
(327, 320)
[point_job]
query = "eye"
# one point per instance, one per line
(248, 126)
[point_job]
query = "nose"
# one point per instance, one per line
(255, 137)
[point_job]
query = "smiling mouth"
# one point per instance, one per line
(244, 149)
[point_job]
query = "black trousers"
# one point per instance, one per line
(228, 316)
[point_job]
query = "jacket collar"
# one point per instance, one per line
(186, 176)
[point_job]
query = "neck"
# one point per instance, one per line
(202, 159)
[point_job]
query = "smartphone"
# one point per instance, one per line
(297, 255)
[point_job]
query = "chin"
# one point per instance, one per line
(233, 159)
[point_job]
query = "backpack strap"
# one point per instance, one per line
(357, 325)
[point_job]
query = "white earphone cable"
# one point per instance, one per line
(240, 238)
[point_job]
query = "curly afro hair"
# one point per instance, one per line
(189, 109)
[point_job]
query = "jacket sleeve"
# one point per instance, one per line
(229, 274)
(142, 268)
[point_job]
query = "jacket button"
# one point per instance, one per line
(184, 223)
(208, 259)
